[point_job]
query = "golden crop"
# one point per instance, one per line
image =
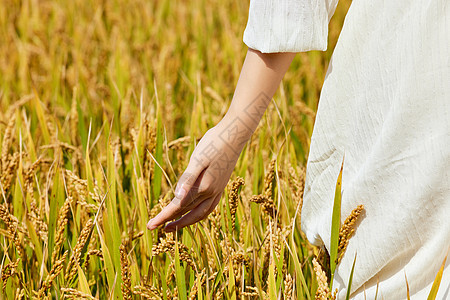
(101, 103)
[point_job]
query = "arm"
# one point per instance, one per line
(200, 187)
(261, 74)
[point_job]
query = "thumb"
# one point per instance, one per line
(186, 182)
(184, 188)
(186, 185)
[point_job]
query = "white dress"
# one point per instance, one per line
(385, 103)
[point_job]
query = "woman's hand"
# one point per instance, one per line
(200, 187)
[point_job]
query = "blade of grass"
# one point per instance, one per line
(157, 175)
(272, 283)
(231, 282)
(350, 280)
(109, 266)
(301, 284)
(335, 225)
(437, 281)
(41, 117)
(179, 273)
(83, 284)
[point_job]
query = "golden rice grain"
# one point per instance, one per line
(233, 197)
(323, 292)
(269, 178)
(93, 252)
(346, 231)
(149, 292)
(60, 227)
(20, 294)
(266, 198)
(9, 166)
(54, 272)
(182, 141)
(39, 224)
(168, 245)
(267, 204)
(11, 221)
(297, 184)
(8, 271)
(201, 279)
(252, 291)
(76, 294)
(301, 107)
(125, 271)
(77, 187)
(72, 267)
(288, 287)
(214, 219)
(220, 291)
(8, 138)
(29, 174)
(13, 227)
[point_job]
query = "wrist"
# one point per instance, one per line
(247, 108)
(233, 134)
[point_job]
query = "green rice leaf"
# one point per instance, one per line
(350, 280)
(179, 273)
(272, 284)
(336, 223)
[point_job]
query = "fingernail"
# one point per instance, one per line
(150, 226)
(180, 192)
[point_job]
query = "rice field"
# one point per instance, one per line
(101, 104)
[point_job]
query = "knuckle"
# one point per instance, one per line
(206, 190)
(186, 178)
(178, 205)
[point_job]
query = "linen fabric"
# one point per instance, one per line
(385, 105)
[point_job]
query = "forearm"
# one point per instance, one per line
(260, 77)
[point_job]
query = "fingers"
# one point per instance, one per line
(196, 203)
(187, 182)
(184, 195)
(191, 205)
(175, 209)
(195, 215)
(202, 190)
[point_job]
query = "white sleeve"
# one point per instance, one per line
(288, 25)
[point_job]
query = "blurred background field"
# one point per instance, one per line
(101, 104)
